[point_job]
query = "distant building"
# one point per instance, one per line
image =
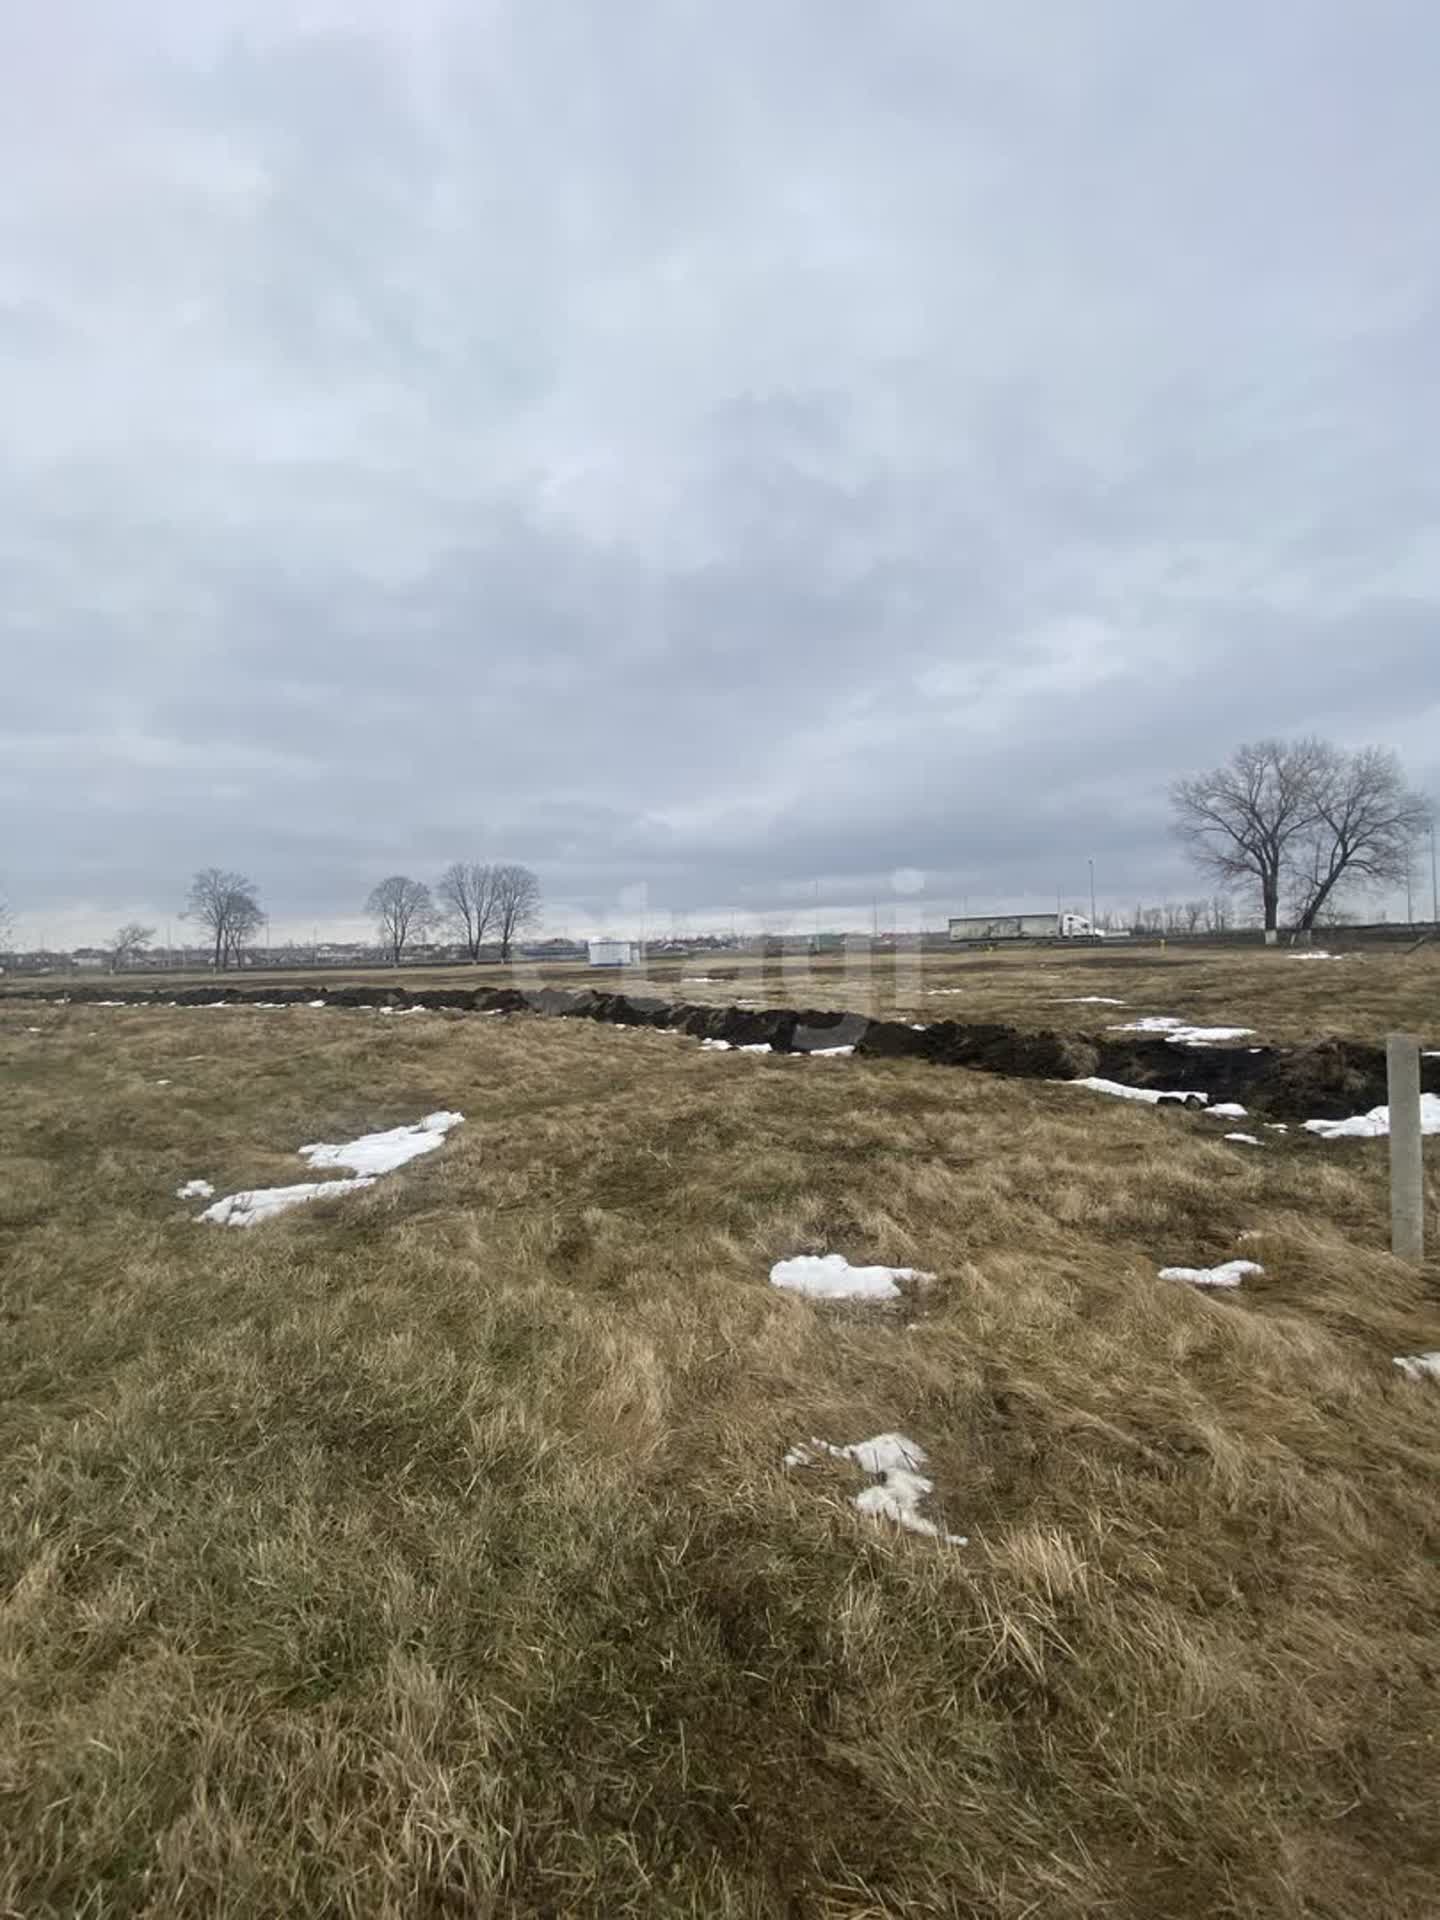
(611, 953)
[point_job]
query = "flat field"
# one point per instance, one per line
(431, 1550)
(1356, 995)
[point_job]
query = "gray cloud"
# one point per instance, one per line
(722, 452)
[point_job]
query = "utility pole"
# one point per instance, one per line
(1092, 897)
(1434, 885)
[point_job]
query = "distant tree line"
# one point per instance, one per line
(479, 903)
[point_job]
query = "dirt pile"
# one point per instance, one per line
(1326, 1080)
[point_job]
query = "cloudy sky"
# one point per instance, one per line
(740, 458)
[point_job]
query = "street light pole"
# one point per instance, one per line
(1092, 896)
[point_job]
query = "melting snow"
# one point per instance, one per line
(715, 1046)
(761, 1046)
(827, 1053)
(829, 1276)
(894, 1463)
(317, 1003)
(1148, 1094)
(368, 1157)
(194, 1190)
(1181, 1033)
(1375, 1125)
(1228, 1110)
(263, 1203)
(1228, 1275)
(1087, 1000)
(382, 1152)
(1246, 1139)
(1418, 1366)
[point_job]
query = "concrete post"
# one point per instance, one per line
(1407, 1161)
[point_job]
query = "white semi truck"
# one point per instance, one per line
(985, 927)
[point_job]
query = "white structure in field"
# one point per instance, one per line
(612, 953)
(1022, 926)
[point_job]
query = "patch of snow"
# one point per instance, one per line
(940, 990)
(1228, 1110)
(1181, 1033)
(317, 1003)
(1228, 1275)
(830, 1276)
(1375, 1125)
(715, 1046)
(761, 1046)
(107, 1003)
(368, 1157)
(827, 1053)
(1246, 1139)
(1314, 954)
(1418, 1366)
(1150, 1095)
(894, 1464)
(1276, 1126)
(697, 979)
(264, 1203)
(399, 1010)
(375, 1153)
(162, 1083)
(1087, 1000)
(194, 1190)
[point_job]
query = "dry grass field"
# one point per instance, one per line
(1359, 995)
(431, 1552)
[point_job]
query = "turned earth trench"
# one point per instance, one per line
(1326, 1079)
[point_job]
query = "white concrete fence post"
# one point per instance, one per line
(1407, 1157)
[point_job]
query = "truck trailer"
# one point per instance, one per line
(977, 928)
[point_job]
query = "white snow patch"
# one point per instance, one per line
(894, 1463)
(400, 1010)
(830, 1276)
(1245, 1139)
(1228, 1110)
(1418, 1366)
(1087, 1000)
(368, 1157)
(827, 1053)
(376, 1153)
(697, 979)
(1276, 1126)
(194, 1190)
(263, 1203)
(715, 1046)
(1375, 1125)
(1228, 1275)
(940, 990)
(1181, 1032)
(317, 1003)
(1150, 1095)
(761, 1046)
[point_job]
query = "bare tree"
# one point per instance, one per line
(1367, 825)
(1217, 914)
(127, 943)
(402, 907)
(226, 905)
(1244, 822)
(466, 897)
(517, 903)
(1194, 912)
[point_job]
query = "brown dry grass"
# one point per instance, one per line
(1360, 996)
(429, 1553)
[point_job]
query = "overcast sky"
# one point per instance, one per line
(724, 455)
